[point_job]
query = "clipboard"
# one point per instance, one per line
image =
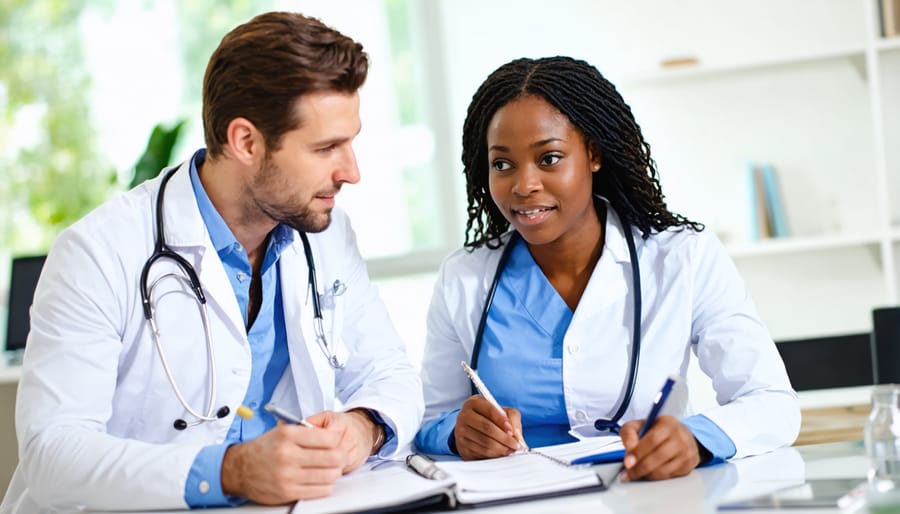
(391, 486)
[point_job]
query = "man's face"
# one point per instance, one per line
(297, 183)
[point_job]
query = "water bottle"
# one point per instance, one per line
(883, 448)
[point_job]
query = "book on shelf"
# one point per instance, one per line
(767, 218)
(392, 485)
(889, 11)
(774, 207)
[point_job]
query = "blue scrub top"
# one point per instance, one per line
(521, 350)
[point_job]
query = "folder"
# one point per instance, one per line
(389, 486)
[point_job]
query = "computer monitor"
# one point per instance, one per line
(22, 283)
(830, 361)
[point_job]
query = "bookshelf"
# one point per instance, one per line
(699, 72)
(808, 244)
(817, 103)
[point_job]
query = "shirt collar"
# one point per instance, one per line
(220, 234)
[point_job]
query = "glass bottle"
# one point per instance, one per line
(882, 435)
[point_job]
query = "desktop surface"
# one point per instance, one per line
(699, 492)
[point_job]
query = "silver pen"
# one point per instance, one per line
(285, 416)
(425, 467)
(483, 390)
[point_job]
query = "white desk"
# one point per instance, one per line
(699, 492)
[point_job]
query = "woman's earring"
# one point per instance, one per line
(596, 167)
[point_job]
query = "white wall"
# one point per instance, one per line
(810, 119)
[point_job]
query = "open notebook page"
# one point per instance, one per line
(520, 474)
(589, 446)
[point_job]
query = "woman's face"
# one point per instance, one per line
(541, 172)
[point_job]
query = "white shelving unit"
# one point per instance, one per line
(824, 109)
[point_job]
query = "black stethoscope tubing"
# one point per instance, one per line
(161, 251)
(601, 424)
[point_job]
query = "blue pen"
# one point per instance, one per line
(619, 455)
(658, 402)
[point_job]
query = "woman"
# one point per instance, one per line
(552, 151)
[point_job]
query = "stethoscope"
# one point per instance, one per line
(163, 251)
(601, 424)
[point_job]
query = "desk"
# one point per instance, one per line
(698, 492)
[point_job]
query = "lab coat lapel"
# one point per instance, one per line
(611, 278)
(186, 234)
(312, 375)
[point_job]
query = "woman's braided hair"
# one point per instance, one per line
(629, 179)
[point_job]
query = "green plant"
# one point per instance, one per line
(52, 173)
(158, 153)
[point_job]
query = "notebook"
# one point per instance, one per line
(391, 486)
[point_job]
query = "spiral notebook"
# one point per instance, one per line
(390, 486)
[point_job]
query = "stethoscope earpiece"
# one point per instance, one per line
(181, 424)
(607, 425)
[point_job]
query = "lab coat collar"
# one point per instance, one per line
(181, 216)
(615, 244)
(186, 234)
(611, 278)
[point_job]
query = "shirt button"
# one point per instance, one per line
(203, 487)
(580, 415)
(241, 276)
(573, 348)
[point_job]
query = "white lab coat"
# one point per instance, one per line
(94, 410)
(693, 300)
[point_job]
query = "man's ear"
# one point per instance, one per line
(245, 142)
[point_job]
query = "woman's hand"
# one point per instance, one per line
(483, 433)
(667, 450)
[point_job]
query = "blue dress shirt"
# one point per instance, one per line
(267, 337)
(525, 329)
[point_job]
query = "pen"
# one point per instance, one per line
(425, 467)
(658, 403)
(285, 416)
(483, 390)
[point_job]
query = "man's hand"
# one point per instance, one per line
(358, 435)
(482, 432)
(667, 450)
(287, 463)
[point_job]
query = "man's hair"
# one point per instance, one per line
(262, 67)
(629, 179)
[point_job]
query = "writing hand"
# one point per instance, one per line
(667, 450)
(482, 432)
(286, 464)
(358, 435)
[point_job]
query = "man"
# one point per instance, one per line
(134, 368)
